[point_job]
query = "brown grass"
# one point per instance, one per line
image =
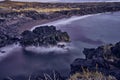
(45, 10)
(87, 75)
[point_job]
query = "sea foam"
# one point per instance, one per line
(64, 21)
(48, 49)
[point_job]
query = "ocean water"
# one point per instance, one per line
(85, 31)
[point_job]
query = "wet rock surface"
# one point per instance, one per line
(105, 59)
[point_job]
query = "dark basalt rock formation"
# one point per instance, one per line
(105, 59)
(40, 36)
(5, 39)
(44, 35)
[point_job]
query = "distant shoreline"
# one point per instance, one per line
(20, 15)
(31, 25)
(67, 20)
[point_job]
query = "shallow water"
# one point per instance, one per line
(85, 32)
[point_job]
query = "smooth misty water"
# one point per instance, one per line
(85, 32)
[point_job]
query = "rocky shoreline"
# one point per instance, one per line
(15, 22)
(104, 59)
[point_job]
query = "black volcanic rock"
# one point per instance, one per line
(104, 52)
(116, 50)
(89, 53)
(28, 38)
(4, 39)
(44, 35)
(93, 65)
(105, 59)
(45, 30)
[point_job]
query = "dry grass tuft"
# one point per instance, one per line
(87, 75)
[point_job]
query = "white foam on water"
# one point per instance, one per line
(46, 50)
(64, 21)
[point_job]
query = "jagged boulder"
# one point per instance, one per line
(89, 53)
(44, 35)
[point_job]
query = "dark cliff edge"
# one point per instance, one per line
(104, 59)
